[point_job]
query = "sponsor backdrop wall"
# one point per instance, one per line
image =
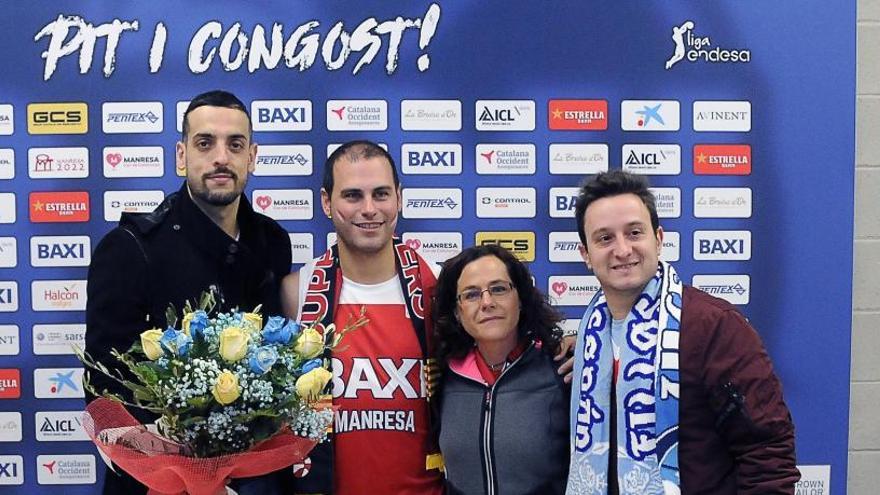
(740, 112)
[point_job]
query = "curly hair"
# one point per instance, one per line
(537, 317)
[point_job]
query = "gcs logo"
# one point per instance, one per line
(58, 117)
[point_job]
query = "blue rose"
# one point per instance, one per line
(175, 342)
(294, 327)
(198, 324)
(310, 365)
(262, 359)
(276, 331)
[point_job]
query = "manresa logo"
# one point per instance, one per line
(58, 383)
(649, 115)
(58, 338)
(10, 431)
(572, 290)
(58, 118)
(430, 158)
(505, 115)
(7, 208)
(578, 115)
(7, 122)
(60, 206)
(10, 383)
(506, 202)
(58, 163)
(59, 426)
(505, 159)
(11, 470)
(564, 247)
(118, 202)
(74, 469)
(301, 247)
(722, 116)
(726, 245)
(7, 163)
(133, 161)
(430, 115)
(668, 201)
(74, 250)
(692, 47)
(578, 159)
(132, 117)
(732, 288)
(563, 201)
(435, 247)
(284, 204)
(58, 295)
(652, 159)
(281, 115)
(283, 159)
(431, 203)
(357, 115)
(8, 296)
(722, 159)
(9, 340)
(722, 202)
(8, 252)
(520, 244)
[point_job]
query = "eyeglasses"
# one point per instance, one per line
(496, 290)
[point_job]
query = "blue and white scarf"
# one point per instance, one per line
(647, 394)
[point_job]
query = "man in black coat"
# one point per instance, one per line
(206, 235)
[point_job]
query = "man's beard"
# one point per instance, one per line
(200, 191)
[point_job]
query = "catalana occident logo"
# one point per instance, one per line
(68, 469)
(691, 46)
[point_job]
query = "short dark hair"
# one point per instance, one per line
(215, 98)
(537, 317)
(354, 151)
(613, 183)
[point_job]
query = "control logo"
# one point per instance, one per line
(435, 247)
(281, 115)
(8, 296)
(430, 158)
(9, 340)
(118, 202)
(10, 383)
(283, 159)
(506, 202)
(284, 204)
(11, 470)
(649, 115)
(668, 201)
(732, 288)
(59, 426)
(10, 431)
(652, 159)
(7, 163)
(133, 161)
(58, 118)
(722, 116)
(572, 290)
(693, 48)
(671, 248)
(563, 201)
(58, 295)
(7, 208)
(722, 202)
(722, 245)
(505, 115)
(564, 247)
(8, 252)
(302, 247)
(132, 117)
(7, 120)
(505, 159)
(578, 159)
(58, 338)
(578, 115)
(73, 469)
(357, 115)
(520, 244)
(58, 163)
(431, 203)
(430, 115)
(722, 159)
(60, 206)
(58, 383)
(74, 250)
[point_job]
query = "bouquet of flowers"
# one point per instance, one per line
(236, 398)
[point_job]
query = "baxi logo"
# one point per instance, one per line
(10, 383)
(695, 48)
(578, 115)
(430, 158)
(281, 115)
(58, 118)
(74, 250)
(60, 206)
(11, 470)
(8, 296)
(722, 159)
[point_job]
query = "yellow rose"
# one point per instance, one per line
(150, 343)
(226, 388)
(309, 344)
(233, 344)
(310, 385)
(255, 320)
(187, 319)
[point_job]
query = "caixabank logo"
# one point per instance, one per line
(520, 244)
(694, 47)
(59, 206)
(10, 383)
(58, 383)
(58, 118)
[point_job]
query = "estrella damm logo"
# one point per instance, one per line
(520, 244)
(58, 118)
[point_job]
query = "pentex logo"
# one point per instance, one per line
(430, 115)
(58, 295)
(722, 159)
(8, 296)
(649, 115)
(430, 158)
(8, 252)
(357, 115)
(59, 426)
(57, 469)
(58, 383)
(505, 115)
(563, 201)
(7, 163)
(671, 249)
(58, 118)
(722, 116)
(722, 245)
(7, 120)
(73, 250)
(578, 159)
(58, 163)
(668, 201)
(58, 338)
(693, 48)
(578, 115)
(520, 244)
(9, 340)
(506, 202)
(732, 288)
(133, 161)
(60, 206)
(722, 202)
(506, 159)
(281, 115)
(284, 204)
(11, 470)
(431, 203)
(572, 290)
(118, 202)
(435, 247)
(302, 247)
(7, 208)
(10, 431)
(10, 383)
(564, 247)
(132, 117)
(283, 160)
(652, 159)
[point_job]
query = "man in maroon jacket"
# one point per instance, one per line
(673, 390)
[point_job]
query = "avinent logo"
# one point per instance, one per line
(693, 47)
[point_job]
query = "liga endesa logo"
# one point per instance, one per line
(10, 383)
(578, 115)
(58, 118)
(722, 159)
(61, 206)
